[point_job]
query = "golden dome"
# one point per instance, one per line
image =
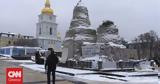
(47, 9)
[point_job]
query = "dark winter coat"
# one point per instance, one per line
(52, 61)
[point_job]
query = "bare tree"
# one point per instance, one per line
(146, 42)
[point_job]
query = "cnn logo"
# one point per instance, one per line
(14, 76)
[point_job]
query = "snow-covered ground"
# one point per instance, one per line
(5, 58)
(158, 77)
(75, 74)
(91, 78)
(19, 61)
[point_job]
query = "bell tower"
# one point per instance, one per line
(46, 31)
(47, 26)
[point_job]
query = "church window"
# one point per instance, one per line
(51, 31)
(50, 17)
(40, 31)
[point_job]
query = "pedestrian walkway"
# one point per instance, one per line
(30, 76)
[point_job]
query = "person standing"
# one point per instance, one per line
(51, 63)
(37, 57)
(45, 59)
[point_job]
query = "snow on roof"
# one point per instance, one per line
(9, 33)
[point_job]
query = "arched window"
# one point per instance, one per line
(51, 31)
(40, 31)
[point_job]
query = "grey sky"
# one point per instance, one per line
(131, 16)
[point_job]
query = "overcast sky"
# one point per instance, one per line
(132, 17)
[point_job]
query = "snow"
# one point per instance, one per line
(61, 69)
(78, 37)
(83, 27)
(110, 43)
(73, 71)
(82, 37)
(95, 58)
(71, 59)
(19, 61)
(144, 80)
(5, 57)
(88, 43)
(34, 67)
(82, 15)
(10, 33)
(134, 73)
(68, 38)
(78, 73)
(113, 26)
(46, 38)
(116, 45)
(93, 77)
(87, 76)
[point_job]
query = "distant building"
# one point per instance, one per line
(9, 39)
(46, 32)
